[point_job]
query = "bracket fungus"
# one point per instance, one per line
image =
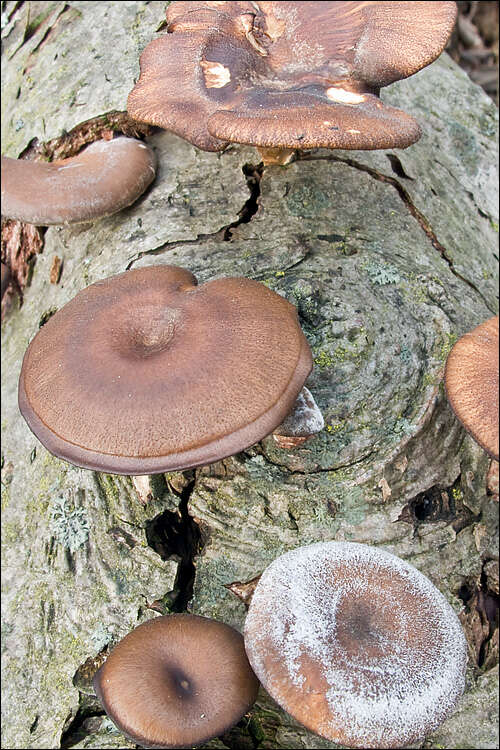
(147, 372)
(356, 644)
(471, 381)
(177, 681)
(287, 75)
(102, 179)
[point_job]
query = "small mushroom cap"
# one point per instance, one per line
(177, 681)
(356, 644)
(471, 381)
(146, 372)
(288, 74)
(101, 180)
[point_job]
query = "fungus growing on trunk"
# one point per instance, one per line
(177, 681)
(104, 178)
(356, 644)
(471, 381)
(287, 75)
(304, 421)
(147, 372)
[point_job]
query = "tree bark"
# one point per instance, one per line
(389, 256)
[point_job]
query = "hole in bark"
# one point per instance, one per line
(438, 504)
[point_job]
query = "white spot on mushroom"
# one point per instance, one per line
(343, 96)
(68, 166)
(216, 75)
(354, 131)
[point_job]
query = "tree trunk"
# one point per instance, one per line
(389, 257)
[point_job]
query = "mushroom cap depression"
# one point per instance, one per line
(104, 178)
(471, 381)
(356, 644)
(146, 372)
(177, 681)
(288, 74)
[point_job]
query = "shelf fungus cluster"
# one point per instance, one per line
(284, 76)
(356, 644)
(105, 177)
(471, 381)
(148, 372)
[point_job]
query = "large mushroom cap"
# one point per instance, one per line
(177, 681)
(146, 372)
(288, 74)
(471, 380)
(356, 644)
(104, 178)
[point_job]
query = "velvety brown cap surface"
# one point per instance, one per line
(146, 372)
(471, 380)
(101, 180)
(356, 644)
(177, 681)
(288, 74)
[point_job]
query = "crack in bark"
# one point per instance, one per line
(407, 200)
(176, 535)
(85, 723)
(326, 470)
(253, 175)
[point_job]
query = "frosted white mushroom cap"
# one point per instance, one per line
(356, 644)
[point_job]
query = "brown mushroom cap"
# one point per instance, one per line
(356, 644)
(288, 74)
(102, 179)
(471, 380)
(177, 681)
(146, 372)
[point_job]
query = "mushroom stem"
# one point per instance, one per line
(279, 156)
(304, 421)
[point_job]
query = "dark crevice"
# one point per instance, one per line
(87, 720)
(174, 535)
(320, 470)
(406, 198)
(480, 619)
(397, 167)
(438, 504)
(253, 174)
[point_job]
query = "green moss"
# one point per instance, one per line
(256, 730)
(5, 497)
(353, 507)
(323, 359)
(447, 345)
(11, 532)
(109, 489)
(494, 225)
